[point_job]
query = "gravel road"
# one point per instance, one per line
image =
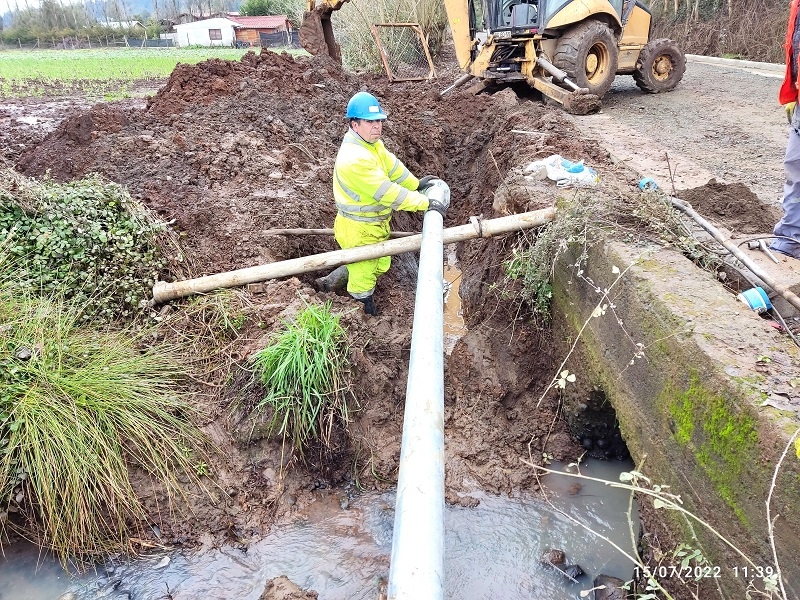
(722, 122)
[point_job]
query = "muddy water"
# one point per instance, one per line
(340, 546)
(454, 326)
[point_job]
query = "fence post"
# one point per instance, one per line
(89, 40)
(20, 43)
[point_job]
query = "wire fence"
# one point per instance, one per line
(88, 42)
(403, 51)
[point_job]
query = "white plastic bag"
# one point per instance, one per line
(564, 172)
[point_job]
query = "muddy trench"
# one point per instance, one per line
(227, 151)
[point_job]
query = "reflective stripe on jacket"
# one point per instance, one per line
(369, 182)
(788, 91)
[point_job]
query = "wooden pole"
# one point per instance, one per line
(301, 231)
(163, 292)
(779, 288)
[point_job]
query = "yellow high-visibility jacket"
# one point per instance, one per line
(369, 182)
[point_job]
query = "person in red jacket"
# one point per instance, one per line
(787, 230)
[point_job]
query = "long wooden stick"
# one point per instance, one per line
(162, 291)
(302, 231)
(779, 288)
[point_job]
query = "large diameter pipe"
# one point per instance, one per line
(163, 292)
(779, 288)
(416, 570)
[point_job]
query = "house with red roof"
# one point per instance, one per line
(235, 30)
(262, 31)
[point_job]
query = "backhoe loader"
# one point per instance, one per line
(569, 50)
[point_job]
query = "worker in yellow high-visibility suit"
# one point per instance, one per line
(369, 182)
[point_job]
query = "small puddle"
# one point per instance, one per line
(491, 551)
(454, 327)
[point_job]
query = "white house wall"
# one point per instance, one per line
(196, 34)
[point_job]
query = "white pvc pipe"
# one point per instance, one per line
(417, 563)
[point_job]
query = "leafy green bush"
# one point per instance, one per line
(87, 240)
(303, 373)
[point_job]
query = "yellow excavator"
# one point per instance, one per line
(569, 50)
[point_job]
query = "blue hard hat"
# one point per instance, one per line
(365, 106)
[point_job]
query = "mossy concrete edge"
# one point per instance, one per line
(677, 356)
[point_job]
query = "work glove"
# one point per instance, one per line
(425, 182)
(790, 111)
(438, 195)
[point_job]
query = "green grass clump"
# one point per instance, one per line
(78, 407)
(86, 240)
(303, 371)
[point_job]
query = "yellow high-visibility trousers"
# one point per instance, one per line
(362, 275)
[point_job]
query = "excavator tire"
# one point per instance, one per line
(588, 53)
(660, 66)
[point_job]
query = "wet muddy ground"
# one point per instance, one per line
(226, 151)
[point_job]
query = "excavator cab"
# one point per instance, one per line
(519, 14)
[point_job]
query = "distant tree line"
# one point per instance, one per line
(294, 9)
(99, 18)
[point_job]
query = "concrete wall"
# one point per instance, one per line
(690, 404)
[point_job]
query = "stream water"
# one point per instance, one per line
(340, 547)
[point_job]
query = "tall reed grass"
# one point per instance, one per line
(80, 407)
(351, 24)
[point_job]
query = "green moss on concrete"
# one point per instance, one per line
(681, 411)
(723, 438)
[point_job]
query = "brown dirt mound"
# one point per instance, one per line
(734, 206)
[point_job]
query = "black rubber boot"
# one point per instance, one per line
(369, 305)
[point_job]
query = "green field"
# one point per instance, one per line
(101, 73)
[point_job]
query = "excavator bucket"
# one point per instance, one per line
(579, 103)
(316, 33)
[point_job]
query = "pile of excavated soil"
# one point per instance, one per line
(226, 151)
(734, 205)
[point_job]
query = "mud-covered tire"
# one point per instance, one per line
(589, 55)
(660, 66)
